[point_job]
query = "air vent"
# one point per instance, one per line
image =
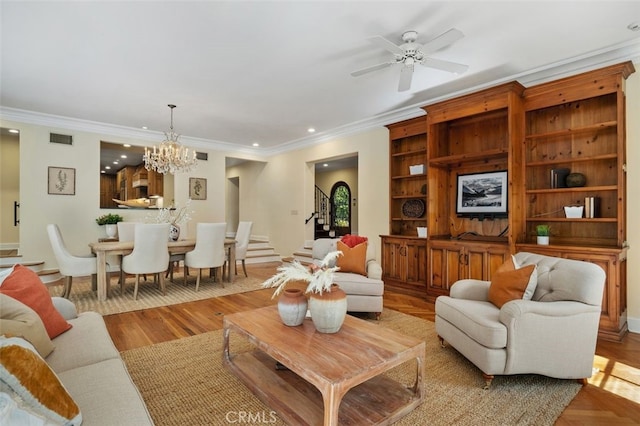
(202, 156)
(61, 139)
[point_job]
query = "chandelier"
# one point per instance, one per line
(170, 156)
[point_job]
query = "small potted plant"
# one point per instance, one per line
(543, 234)
(110, 220)
(327, 302)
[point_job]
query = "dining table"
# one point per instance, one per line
(102, 249)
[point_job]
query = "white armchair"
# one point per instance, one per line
(364, 293)
(553, 334)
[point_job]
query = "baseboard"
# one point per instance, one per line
(633, 324)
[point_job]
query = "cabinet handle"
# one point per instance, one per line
(461, 259)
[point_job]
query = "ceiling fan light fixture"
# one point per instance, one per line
(170, 156)
(409, 53)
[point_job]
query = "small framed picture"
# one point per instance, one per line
(198, 188)
(62, 181)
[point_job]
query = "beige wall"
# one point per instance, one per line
(9, 191)
(288, 188)
(326, 180)
(633, 199)
(278, 199)
(75, 215)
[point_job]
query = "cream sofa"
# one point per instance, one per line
(364, 293)
(554, 334)
(90, 368)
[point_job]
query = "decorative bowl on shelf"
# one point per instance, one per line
(413, 208)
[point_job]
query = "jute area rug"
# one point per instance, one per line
(149, 294)
(184, 382)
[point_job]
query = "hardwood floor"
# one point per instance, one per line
(612, 396)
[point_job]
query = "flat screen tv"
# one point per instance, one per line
(482, 195)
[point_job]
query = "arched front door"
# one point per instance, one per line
(341, 208)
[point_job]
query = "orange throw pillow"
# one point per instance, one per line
(352, 259)
(510, 284)
(25, 286)
(353, 240)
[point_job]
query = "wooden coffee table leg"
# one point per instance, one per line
(331, 400)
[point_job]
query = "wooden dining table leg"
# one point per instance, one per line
(232, 264)
(101, 259)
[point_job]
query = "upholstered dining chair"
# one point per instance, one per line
(72, 266)
(209, 251)
(243, 234)
(150, 254)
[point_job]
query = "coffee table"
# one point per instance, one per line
(329, 378)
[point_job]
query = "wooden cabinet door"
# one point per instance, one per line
(391, 259)
(445, 267)
(483, 260)
(404, 264)
(416, 262)
(450, 261)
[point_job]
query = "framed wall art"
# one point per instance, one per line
(62, 181)
(197, 188)
(482, 194)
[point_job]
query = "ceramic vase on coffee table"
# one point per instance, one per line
(292, 307)
(328, 309)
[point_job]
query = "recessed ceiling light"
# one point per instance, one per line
(311, 130)
(634, 26)
(126, 145)
(14, 131)
(102, 171)
(145, 128)
(107, 167)
(325, 165)
(255, 144)
(123, 156)
(115, 162)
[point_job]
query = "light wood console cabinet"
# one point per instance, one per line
(572, 125)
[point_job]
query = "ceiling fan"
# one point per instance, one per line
(410, 53)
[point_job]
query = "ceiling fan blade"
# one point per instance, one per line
(387, 45)
(406, 73)
(370, 69)
(443, 40)
(445, 65)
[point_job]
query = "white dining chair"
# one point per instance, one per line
(150, 254)
(243, 235)
(209, 252)
(71, 266)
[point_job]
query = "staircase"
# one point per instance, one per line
(48, 276)
(304, 254)
(260, 251)
(323, 211)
